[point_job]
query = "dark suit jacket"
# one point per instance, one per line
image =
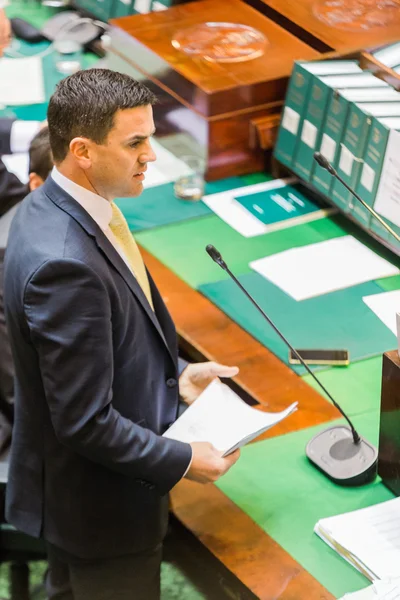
(96, 386)
(11, 189)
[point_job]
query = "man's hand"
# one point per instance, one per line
(5, 32)
(207, 463)
(196, 377)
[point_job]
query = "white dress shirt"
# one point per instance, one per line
(100, 210)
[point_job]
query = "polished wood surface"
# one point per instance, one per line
(389, 432)
(242, 546)
(231, 143)
(298, 16)
(211, 88)
(207, 333)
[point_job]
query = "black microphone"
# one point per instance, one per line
(325, 164)
(346, 459)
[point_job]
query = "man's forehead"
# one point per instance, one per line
(134, 120)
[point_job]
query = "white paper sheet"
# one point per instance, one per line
(385, 306)
(21, 81)
(220, 417)
(371, 536)
(324, 267)
(18, 164)
(234, 214)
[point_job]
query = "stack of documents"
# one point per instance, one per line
(369, 538)
(386, 589)
(220, 417)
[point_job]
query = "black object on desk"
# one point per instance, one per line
(25, 31)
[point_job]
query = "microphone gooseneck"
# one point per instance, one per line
(216, 256)
(325, 164)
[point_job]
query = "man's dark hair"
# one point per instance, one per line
(84, 104)
(40, 157)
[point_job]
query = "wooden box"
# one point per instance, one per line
(230, 110)
(389, 431)
(298, 16)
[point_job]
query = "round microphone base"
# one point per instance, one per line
(334, 452)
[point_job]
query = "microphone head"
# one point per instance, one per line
(215, 255)
(324, 162)
(213, 252)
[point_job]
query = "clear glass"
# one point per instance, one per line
(190, 187)
(221, 42)
(67, 56)
(357, 15)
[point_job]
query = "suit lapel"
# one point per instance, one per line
(66, 203)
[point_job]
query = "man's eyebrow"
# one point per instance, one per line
(137, 136)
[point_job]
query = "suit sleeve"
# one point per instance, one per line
(5, 135)
(69, 317)
(16, 135)
(12, 190)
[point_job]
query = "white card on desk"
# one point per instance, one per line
(220, 417)
(325, 267)
(226, 207)
(21, 81)
(385, 306)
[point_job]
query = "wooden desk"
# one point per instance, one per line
(245, 549)
(217, 104)
(298, 17)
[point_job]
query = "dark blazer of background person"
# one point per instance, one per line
(90, 452)
(12, 190)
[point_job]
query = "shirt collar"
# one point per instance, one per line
(98, 207)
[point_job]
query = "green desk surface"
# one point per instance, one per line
(182, 247)
(274, 483)
(337, 320)
(357, 387)
(158, 205)
(388, 284)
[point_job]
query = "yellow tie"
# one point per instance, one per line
(126, 241)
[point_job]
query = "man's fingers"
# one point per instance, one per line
(232, 457)
(223, 370)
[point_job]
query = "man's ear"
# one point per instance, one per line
(80, 148)
(35, 181)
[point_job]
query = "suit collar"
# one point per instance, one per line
(75, 210)
(98, 207)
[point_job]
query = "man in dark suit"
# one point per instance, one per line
(95, 352)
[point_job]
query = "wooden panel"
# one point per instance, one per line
(207, 333)
(389, 433)
(299, 14)
(210, 87)
(242, 546)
